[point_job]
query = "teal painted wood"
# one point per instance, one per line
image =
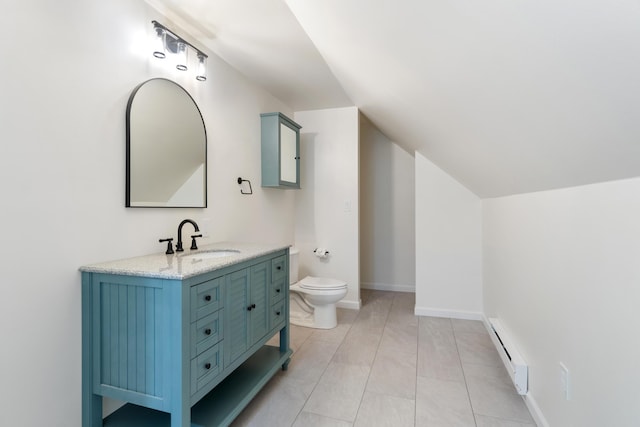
(207, 297)
(91, 403)
(236, 334)
(260, 285)
(129, 319)
(271, 150)
(162, 345)
(128, 324)
(235, 392)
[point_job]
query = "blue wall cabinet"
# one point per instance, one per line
(187, 352)
(280, 145)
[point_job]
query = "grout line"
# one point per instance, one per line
(464, 375)
(364, 390)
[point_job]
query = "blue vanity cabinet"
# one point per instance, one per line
(181, 352)
(280, 150)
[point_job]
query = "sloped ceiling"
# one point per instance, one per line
(506, 96)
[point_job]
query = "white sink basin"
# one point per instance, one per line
(212, 253)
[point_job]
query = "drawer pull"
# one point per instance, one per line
(278, 290)
(207, 366)
(207, 297)
(207, 331)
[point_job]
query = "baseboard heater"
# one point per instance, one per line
(516, 367)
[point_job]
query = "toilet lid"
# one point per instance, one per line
(320, 283)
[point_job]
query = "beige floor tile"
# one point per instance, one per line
(334, 403)
(380, 410)
(434, 324)
(484, 421)
(405, 299)
(339, 391)
(399, 338)
(278, 404)
(393, 374)
(477, 348)
(438, 353)
(442, 404)
(461, 325)
(383, 366)
(358, 348)
(309, 362)
(493, 394)
(401, 317)
(309, 419)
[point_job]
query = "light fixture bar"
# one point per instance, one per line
(178, 38)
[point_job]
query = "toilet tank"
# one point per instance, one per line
(293, 265)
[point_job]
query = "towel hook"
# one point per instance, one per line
(240, 181)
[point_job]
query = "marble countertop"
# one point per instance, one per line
(182, 265)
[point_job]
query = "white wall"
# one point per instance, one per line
(448, 245)
(562, 270)
(327, 212)
(387, 212)
(68, 69)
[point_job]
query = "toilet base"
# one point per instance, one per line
(323, 317)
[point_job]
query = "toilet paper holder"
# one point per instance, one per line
(316, 249)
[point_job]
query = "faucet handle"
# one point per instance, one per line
(193, 241)
(169, 245)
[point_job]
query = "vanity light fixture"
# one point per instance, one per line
(168, 42)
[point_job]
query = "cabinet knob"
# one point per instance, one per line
(249, 308)
(207, 366)
(277, 313)
(253, 306)
(207, 331)
(278, 290)
(207, 297)
(279, 267)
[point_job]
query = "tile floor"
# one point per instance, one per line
(383, 366)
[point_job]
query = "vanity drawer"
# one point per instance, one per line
(206, 367)
(277, 315)
(206, 298)
(277, 289)
(278, 268)
(206, 332)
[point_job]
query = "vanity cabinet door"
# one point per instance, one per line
(280, 151)
(236, 329)
(248, 306)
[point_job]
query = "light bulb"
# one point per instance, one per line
(181, 63)
(158, 43)
(202, 68)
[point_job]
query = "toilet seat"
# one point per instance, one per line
(321, 284)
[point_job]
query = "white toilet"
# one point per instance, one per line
(313, 299)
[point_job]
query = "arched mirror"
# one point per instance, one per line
(166, 147)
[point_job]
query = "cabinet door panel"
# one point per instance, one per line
(236, 333)
(288, 154)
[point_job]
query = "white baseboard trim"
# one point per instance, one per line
(535, 411)
(387, 287)
(453, 314)
(351, 305)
